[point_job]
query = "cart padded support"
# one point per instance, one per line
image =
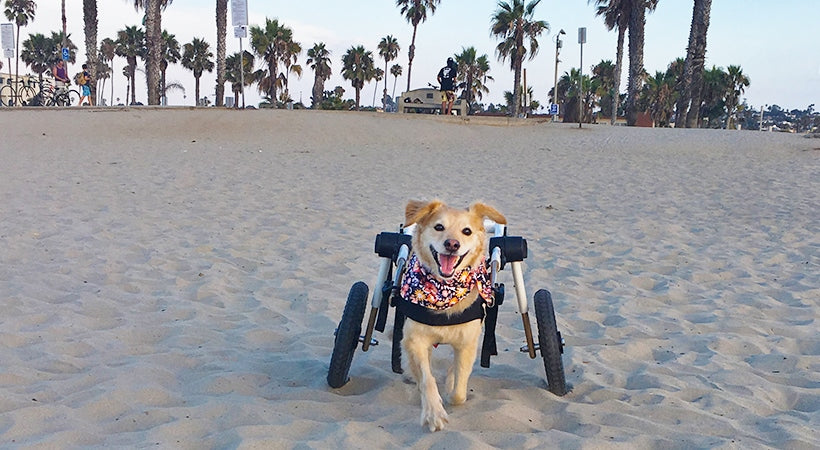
(435, 318)
(488, 347)
(476, 311)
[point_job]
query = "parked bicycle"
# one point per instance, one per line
(19, 95)
(51, 95)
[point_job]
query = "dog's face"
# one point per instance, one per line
(447, 239)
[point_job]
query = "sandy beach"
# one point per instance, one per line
(172, 279)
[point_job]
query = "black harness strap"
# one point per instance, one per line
(436, 318)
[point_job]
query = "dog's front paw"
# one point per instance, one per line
(433, 416)
(456, 398)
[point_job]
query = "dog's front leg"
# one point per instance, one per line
(465, 351)
(433, 414)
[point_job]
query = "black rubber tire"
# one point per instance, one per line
(347, 336)
(550, 344)
(27, 94)
(7, 92)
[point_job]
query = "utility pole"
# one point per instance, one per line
(239, 19)
(558, 45)
(582, 38)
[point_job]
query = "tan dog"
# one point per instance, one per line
(446, 276)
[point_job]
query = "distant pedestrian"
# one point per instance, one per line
(85, 86)
(61, 79)
(447, 82)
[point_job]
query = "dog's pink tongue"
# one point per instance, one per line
(447, 264)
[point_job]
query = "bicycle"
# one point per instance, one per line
(20, 96)
(51, 95)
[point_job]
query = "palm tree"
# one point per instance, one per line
(235, 65)
(658, 97)
(689, 105)
(221, 30)
(637, 23)
(270, 43)
(170, 55)
(513, 23)
(90, 28)
(415, 11)
(616, 16)
(58, 37)
(473, 70)
(712, 108)
(108, 50)
(196, 57)
(103, 72)
(289, 58)
(388, 50)
(357, 66)
(603, 74)
(378, 74)
(319, 61)
(131, 45)
(39, 53)
(737, 84)
(395, 70)
(21, 12)
(675, 71)
(568, 95)
(153, 44)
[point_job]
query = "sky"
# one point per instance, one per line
(776, 46)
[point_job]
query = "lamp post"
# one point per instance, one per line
(582, 39)
(558, 44)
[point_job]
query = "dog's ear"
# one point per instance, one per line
(489, 212)
(416, 210)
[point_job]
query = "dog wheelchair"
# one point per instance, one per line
(393, 249)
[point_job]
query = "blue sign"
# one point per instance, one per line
(554, 109)
(65, 54)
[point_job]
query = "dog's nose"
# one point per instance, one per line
(451, 245)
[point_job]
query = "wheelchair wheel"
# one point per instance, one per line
(550, 342)
(347, 336)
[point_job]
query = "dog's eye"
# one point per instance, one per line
(439, 227)
(467, 231)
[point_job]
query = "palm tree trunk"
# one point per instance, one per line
(386, 62)
(694, 69)
(153, 42)
(132, 69)
(517, 88)
(318, 89)
(273, 68)
(17, 58)
(221, 26)
(196, 91)
(411, 54)
(162, 84)
(112, 82)
(90, 21)
(469, 83)
(619, 61)
(637, 22)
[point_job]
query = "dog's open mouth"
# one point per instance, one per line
(447, 264)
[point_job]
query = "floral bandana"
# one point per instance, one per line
(423, 289)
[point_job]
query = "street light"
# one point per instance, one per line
(582, 39)
(558, 44)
